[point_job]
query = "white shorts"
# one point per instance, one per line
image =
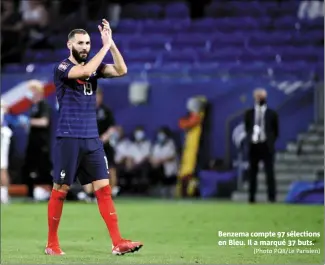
(6, 134)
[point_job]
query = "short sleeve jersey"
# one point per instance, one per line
(77, 102)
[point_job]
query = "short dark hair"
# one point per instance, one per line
(76, 31)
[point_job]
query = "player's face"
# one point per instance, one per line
(80, 47)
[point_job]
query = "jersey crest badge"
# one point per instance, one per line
(63, 66)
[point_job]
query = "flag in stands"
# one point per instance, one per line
(18, 98)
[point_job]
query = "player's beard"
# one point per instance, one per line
(78, 57)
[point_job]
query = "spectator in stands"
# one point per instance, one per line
(164, 162)
(11, 32)
(6, 134)
(137, 164)
(37, 165)
(121, 146)
(36, 22)
(262, 130)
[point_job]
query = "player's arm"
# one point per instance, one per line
(44, 120)
(118, 68)
(85, 71)
(109, 124)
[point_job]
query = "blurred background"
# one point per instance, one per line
(192, 69)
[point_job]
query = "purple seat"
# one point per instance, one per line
(269, 38)
(14, 68)
(184, 56)
(301, 70)
(247, 8)
(153, 41)
(220, 56)
(204, 25)
(247, 69)
(142, 11)
(45, 55)
(145, 56)
(253, 56)
(153, 11)
(177, 10)
(167, 26)
(314, 24)
(220, 40)
(193, 41)
(129, 26)
(285, 22)
(204, 70)
(167, 71)
(308, 54)
(288, 7)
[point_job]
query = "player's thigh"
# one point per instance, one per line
(94, 165)
(5, 144)
(66, 160)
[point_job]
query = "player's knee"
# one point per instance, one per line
(62, 188)
(98, 184)
(88, 188)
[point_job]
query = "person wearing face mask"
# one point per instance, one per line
(262, 130)
(137, 163)
(163, 160)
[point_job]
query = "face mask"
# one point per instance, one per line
(139, 135)
(161, 137)
(262, 102)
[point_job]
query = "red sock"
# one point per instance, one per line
(107, 210)
(54, 212)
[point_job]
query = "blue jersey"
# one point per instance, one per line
(77, 102)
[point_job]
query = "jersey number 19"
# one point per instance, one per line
(88, 89)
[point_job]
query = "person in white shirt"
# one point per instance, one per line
(6, 134)
(137, 163)
(121, 145)
(164, 162)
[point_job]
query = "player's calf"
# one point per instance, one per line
(55, 206)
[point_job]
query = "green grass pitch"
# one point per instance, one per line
(173, 232)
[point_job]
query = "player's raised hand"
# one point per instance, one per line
(106, 26)
(106, 36)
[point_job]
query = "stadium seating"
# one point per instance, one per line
(254, 32)
(261, 42)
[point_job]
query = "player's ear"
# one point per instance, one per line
(69, 45)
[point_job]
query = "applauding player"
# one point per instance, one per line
(78, 150)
